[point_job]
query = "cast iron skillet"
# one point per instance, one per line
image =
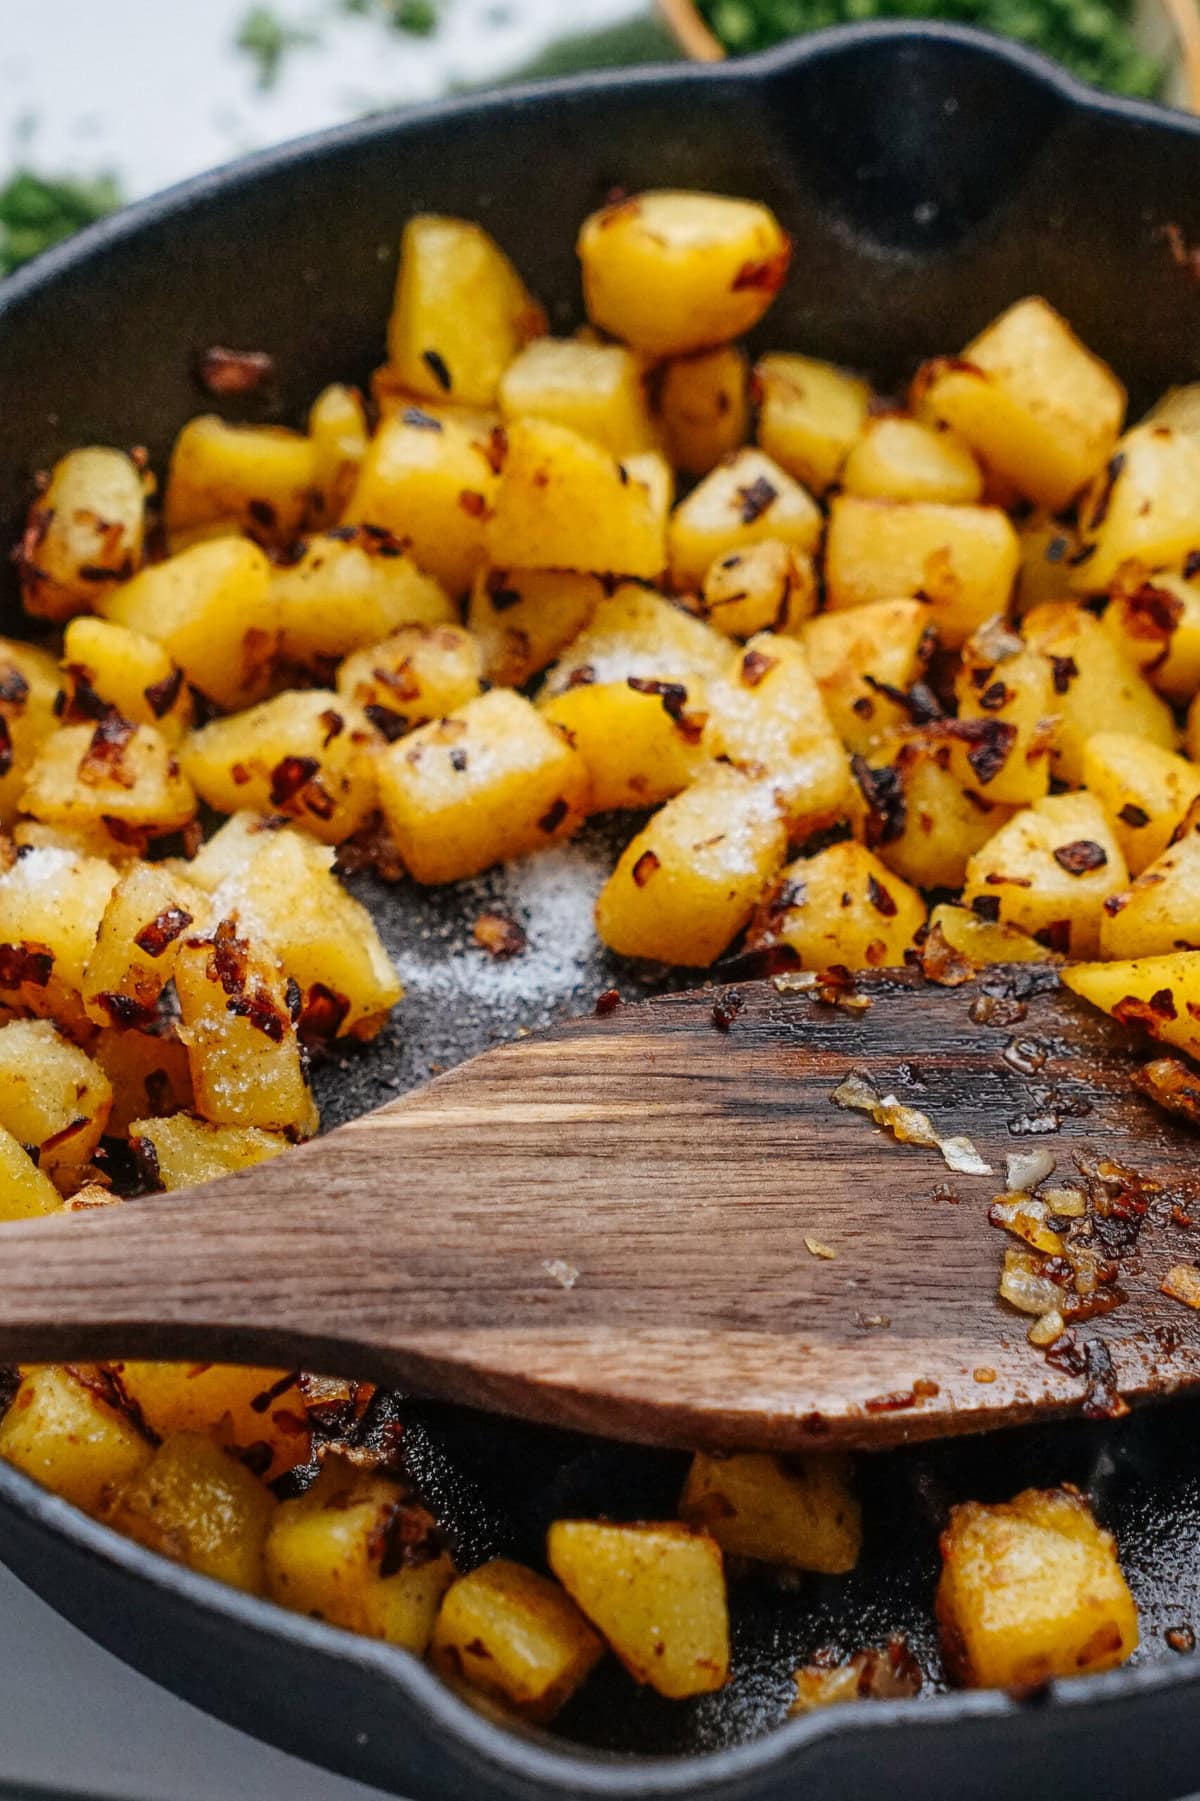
(928, 176)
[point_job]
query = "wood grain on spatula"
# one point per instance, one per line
(679, 1169)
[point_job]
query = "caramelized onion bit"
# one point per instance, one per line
(908, 1125)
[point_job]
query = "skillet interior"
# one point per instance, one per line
(928, 178)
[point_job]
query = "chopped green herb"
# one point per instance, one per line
(1093, 38)
(266, 39)
(418, 17)
(36, 212)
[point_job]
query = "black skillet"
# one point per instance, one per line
(928, 176)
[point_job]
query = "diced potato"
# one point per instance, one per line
(328, 1549)
(745, 499)
(810, 416)
(1160, 913)
(84, 533)
(1159, 994)
(257, 479)
(1144, 510)
(672, 272)
(84, 840)
(842, 907)
(1031, 1590)
(1157, 625)
(656, 1593)
(149, 1075)
(349, 589)
(337, 425)
(306, 754)
(597, 390)
(53, 1099)
(111, 666)
(981, 942)
(461, 312)
(1049, 872)
(962, 560)
(566, 503)
(115, 774)
(180, 1152)
(704, 406)
(26, 1191)
(769, 719)
(689, 881)
(523, 618)
(904, 459)
(796, 1511)
(1034, 402)
(29, 690)
(489, 782)
(327, 942)
(1096, 686)
(859, 655)
(634, 632)
(197, 1504)
(1144, 790)
(515, 1636)
(51, 905)
(1004, 681)
(212, 609)
(229, 849)
(1047, 547)
(771, 586)
(236, 1405)
(429, 480)
(147, 913)
(641, 740)
(62, 1431)
(241, 1040)
(942, 819)
(1178, 408)
(419, 673)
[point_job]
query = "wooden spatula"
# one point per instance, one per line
(658, 1225)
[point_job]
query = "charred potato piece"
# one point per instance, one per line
(257, 479)
(842, 907)
(196, 1503)
(65, 1431)
(516, 1636)
(53, 1099)
(84, 533)
(564, 502)
(348, 589)
(796, 1511)
(961, 559)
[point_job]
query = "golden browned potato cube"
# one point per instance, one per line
(337, 425)
(523, 618)
(181, 1152)
(1007, 688)
(1034, 402)
(515, 1636)
(328, 1550)
(745, 499)
(923, 817)
(461, 312)
(241, 1039)
(122, 776)
(961, 941)
(430, 482)
(51, 905)
(349, 589)
(1097, 688)
(865, 657)
(53, 1099)
(769, 719)
(325, 939)
(903, 459)
(234, 1404)
(796, 1511)
(1144, 790)
(962, 560)
(1160, 913)
(62, 1431)
(489, 782)
(257, 479)
(688, 883)
(25, 1190)
(212, 609)
(1047, 548)
(108, 665)
(771, 586)
(148, 912)
(656, 1593)
(1157, 625)
(641, 740)
(842, 907)
(29, 691)
(566, 503)
(229, 849)
(149, 1075)
(811, 414)
(1031, 1590)
(672, 272)
(597, 390)
(1161, 995)
(634, 632)
(421, 672)
(306, 754)
(1049, 871)
(1143, 510)
(84, 533)
(199, 1505)
(704, 406)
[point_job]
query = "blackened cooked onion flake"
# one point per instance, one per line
(756, 498)
(880, 898)
(103, 760)
(6, 747)
(289, 776)
(1081, 856)
(726, 1007)
(435, 362)
(1065, 670)
(553, 818)
(1133, 816)
(162, 931)
(234, 372)
(25, 963)
(645, 867)
(883, 791)
(499, 935)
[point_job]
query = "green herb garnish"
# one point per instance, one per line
(36, 212)
(420, 18)
(266, 39)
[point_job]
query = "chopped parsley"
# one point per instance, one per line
(37, 211)
(266, 39)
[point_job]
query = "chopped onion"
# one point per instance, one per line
(1067, 1203)
(1026, 1218)
(815, 1248)
(565, 1274)
(908, 1125)
(857, 1094)
(1024, 1287)
(1023, 1170)
(1045, 1330)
